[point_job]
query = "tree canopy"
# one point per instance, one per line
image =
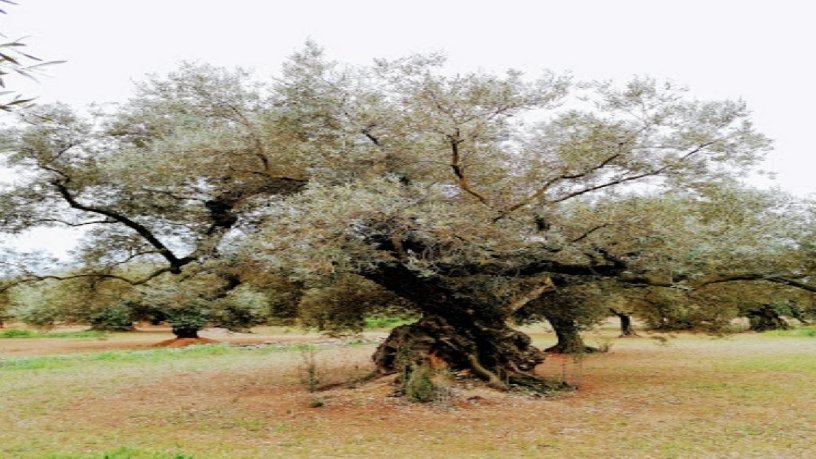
(474, 198)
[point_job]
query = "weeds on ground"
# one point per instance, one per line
(421, 383)
(317, 376)
(309, 376)
(603, 344)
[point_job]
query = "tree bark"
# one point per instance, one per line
(493, 352)
(456, 333)
(569, 340)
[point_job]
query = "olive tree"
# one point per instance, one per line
(468, 198)
(471, 197)
(160, 181)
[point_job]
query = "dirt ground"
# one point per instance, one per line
(744, 396)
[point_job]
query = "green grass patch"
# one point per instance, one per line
(808, 331)
(49, 362)
(86, 334)
(151, 355)
(19, 334)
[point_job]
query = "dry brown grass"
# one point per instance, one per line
(745, 396)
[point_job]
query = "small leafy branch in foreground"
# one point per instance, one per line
(14, 61)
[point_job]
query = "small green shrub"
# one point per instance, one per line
(187, 322)
(308, 369)
(118, 317)
(421, 383)
(37, 314)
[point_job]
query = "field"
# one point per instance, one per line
(114, 396)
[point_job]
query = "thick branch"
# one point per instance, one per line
(67, 223)
(760, 277)
(621, 180)
(459, 171)
(543, 189)
(533, 294)
(176, 263)
(539, 193)
(37, 278)
(260, 150)
(531, 268)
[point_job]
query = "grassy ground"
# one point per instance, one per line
(745, 396)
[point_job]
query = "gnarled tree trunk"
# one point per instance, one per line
(456, 333)
(492, 351)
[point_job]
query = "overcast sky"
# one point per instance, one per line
(761, 51)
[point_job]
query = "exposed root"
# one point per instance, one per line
(492, 379)
(355, 382)
(629, 335)
(561, 349)
(536, 384)
(498, 355)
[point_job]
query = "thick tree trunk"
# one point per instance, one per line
(493, 352)
(569, 340)
(185, 331)
(764, 318)
(456, 333)
(627, 330)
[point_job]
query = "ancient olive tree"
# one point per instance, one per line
(471, 197)
(474, 201)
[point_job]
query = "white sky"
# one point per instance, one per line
(761, 51)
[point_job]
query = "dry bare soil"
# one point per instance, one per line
(748, 395)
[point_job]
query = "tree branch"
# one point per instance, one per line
(760, 277)
(459, 171)
(30, 278)
(532, 295)
(176, 263)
